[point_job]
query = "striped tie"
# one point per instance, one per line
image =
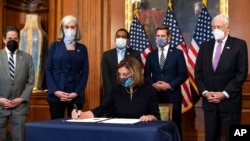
(12, 66)
(162, 59)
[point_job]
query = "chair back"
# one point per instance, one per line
(166, 111)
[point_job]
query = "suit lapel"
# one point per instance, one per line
(113, 55)
(19, 60)
(210, 53)
(127, 52)
(156, 56)
(4, 59)
(170, 54)
(225, 52)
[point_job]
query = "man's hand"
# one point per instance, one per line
(161, 86)
(6, 103)
(17, 101)
(215, 97)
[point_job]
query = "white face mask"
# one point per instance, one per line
(218, 34)
(69, 36)
(121, 42)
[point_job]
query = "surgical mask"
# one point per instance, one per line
(127, 82)
(121, 42)
(69, 36)
(161, 42)
(12, 45)
(218, 34)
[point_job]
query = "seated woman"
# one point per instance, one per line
(131, 98)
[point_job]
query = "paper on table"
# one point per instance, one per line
(87, 120)
(121, 121)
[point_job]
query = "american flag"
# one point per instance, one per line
(138, 39)
(203, 32)
(178, 41)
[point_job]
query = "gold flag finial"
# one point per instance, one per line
(204, 2)
(170, 5)
(136, 5)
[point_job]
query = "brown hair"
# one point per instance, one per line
(11, 28)
(134, 66)
(164, 27)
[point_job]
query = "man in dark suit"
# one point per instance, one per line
(111, 59)
(165, 70)
(220, 84)
(15, 86)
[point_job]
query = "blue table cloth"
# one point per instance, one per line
(60, 130)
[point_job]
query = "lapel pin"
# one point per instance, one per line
(228, 47)
(78, 50)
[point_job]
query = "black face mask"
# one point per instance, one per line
(12, 45)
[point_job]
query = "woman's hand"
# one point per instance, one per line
(81, 115)
(75, 114)
(147, 118)
(65, 97)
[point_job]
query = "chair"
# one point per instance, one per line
(166, 111)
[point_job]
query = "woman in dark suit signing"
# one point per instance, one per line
(131, 97)
(67, 70)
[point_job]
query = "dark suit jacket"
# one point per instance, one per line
(64, 73)
(174, 72)
(229, 76)
(109, 67)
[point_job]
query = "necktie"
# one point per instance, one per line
(120, 57)
(11, 66)
(162, 59)
(217, 55)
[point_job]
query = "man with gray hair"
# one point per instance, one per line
(220, 71)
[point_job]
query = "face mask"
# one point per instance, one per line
(161, 42)
(69, 36)
(12, 45)
(218, 34)
(121, 42)
(127, 82)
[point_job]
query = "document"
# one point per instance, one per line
(121, 121)
(87, 120)
(106, 120)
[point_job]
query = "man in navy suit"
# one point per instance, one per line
(167, 76)
(221, 86)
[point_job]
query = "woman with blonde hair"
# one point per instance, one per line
(67, 70)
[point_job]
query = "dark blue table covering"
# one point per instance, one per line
(60, 130)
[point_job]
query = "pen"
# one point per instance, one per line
(75, 107)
